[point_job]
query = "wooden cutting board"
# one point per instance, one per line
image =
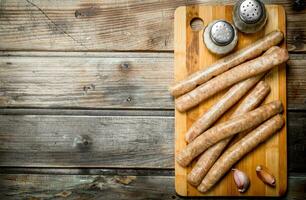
(192, 55)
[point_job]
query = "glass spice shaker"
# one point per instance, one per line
(220, 37)
(249, 16)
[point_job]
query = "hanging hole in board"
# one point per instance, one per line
(196, 24)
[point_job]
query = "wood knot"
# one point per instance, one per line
(86, 88)
(82, 141)
(297, 37)
(77, 13)
(87, 12)
(64, 194)
(298, 40)
(125, 66)
(129, 99)
(299, 5)
(125, 180)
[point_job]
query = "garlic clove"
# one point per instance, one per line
(265, 175)
(241, 179)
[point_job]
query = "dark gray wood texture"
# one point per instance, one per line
(86, 141)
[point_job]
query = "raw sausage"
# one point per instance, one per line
(238, 150)
(251, 51)
(227, 129)
(229, 99)
(230, 77)
(208, 158)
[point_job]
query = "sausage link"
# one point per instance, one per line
(227, 129)
(229, 99)
(209, 157)
(251, 51)
(230, 77)
(252, 100)
(238, 150)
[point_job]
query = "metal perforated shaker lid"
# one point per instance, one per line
(222, 33)
(250, 11)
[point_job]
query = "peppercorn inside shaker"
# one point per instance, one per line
(220, 37)
(249, 16)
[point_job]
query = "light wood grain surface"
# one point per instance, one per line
(189, 45)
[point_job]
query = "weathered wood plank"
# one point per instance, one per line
(296, 82)
(108, 25)
(108, 141)
(86, 141)
(129, 80)
(106, 187)
(296, 141)
(296, 36)
(105, 80)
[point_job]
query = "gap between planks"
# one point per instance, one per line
(106, 171)
(90, 54)
(89, 171)
(88, 112)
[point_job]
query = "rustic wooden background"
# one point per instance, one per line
(85, 112)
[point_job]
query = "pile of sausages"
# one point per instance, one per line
(242, 71)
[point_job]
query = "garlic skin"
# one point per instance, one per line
(266, 176)
(241, 179)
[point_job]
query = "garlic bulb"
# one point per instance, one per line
(266, 176)
(241, 179)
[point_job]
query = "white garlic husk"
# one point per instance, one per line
(241, 179)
